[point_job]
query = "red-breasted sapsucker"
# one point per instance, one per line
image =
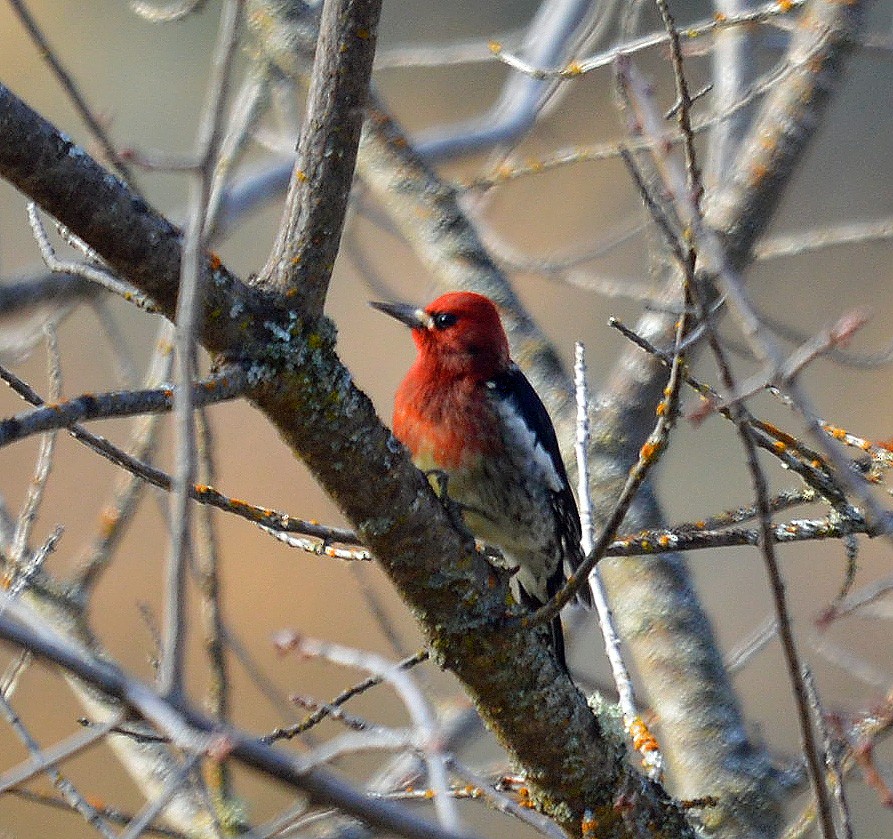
(467, 412)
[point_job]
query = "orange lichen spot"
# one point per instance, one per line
(785, 5)
(300, 175)
(6, 582)
(661, 408)
(200, 489)
(573, 69)
(491, 581)
(835, 432)
(292, 292)
(524, 798)
(758, 172)
(719, 17)
(648, 450)
(664, 540)
(643, 739)
(495, 47)
(409, 789)
(296, 260)
(108, 521)
(363, 33)
(588, 828)
(816, 464)
(429, 793)
(96, 802)
(865, 445)
(776, 432)
(700, 525)
(214, 261)
(779, 446)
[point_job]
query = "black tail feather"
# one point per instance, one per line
(558, 642)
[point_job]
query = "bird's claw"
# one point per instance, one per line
(440, 481)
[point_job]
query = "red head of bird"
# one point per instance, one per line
(458, 335)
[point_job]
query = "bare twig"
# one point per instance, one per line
(324, 710)
(73, 92)
(229, 383)
(189, 727)
(171, 671)
(651, 758)
(93, 273)
(36, 488)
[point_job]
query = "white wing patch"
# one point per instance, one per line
(523, 439)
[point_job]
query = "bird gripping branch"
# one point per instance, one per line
(466, 411)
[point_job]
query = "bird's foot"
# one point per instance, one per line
(455, 510)
(440, 480)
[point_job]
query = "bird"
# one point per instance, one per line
(474, 424)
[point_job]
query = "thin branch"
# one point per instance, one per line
(426, 727)
(230, 383)
(93, 273)
(302, 259)
(767, 13)
(557, 29)
(110, 814)
(117, 513)
(73, 92)
(172, 667)
(274, 520)
(19, 626)
(46, 761)
(781, 246)
(767, 545)
(651, 758)
(208, 574)
(649, 454)
(324, 710)
(38, 483)
(832, 764)
(504, 803)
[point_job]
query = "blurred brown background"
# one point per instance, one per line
(148, 82)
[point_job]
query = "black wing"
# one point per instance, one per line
(513, 386)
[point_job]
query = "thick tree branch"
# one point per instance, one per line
(300, 384)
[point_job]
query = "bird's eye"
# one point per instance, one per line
(444, 319)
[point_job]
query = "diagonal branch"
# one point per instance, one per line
(301, 386)
(178, 719)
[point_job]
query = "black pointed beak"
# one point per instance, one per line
(412, 316)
